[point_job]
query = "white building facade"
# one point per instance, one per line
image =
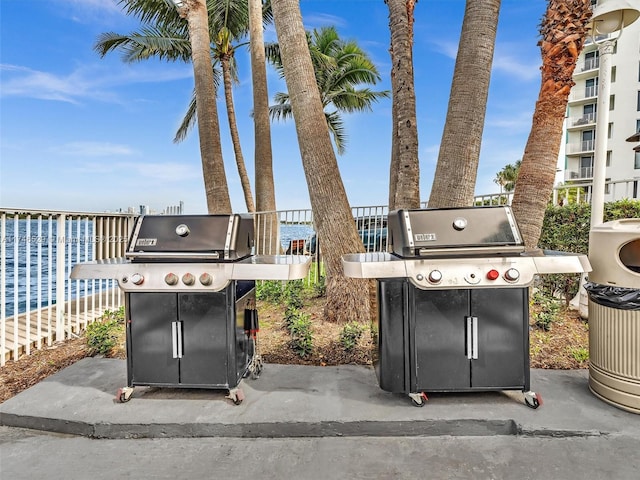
(576, 156)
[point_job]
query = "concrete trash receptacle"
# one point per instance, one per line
(614, 313)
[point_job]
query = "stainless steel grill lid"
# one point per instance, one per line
(191, 237)
(454, 232)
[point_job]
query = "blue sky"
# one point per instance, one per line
(84, 133)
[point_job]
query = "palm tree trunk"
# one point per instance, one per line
(404, 192)
(563, 32)
(215, 180)
(235, 138)
(455, 177)
(267, 227)
(332, 215)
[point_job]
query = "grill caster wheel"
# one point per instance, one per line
(418, 399)
(532, 399)
(124, 394)
(236, 395)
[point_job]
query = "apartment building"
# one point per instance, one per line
(577, 154)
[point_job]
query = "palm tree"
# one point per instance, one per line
(404, 172)
(331, 212)
(507, 177)
(340, 68)
(563, 31)
(455, 176)
(267, 227)
(228, 20)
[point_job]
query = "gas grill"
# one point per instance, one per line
(189, 284)
(453, 297)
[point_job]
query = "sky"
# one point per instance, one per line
(84, 133)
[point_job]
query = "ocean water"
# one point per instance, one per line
(33, 248)
(33, 239)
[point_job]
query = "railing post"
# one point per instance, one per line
(60, 275)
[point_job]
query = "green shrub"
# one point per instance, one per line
(580, 354)
(270, 291)
(301, 336)
(103, 335)
(549, 308)
(566, 229)
(350, 335)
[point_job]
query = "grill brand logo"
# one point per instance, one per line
(146, 242)
(425, 237)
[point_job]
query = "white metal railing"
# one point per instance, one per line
(581, 147)
(39, 304)
(589, 64)
(580, 174)
(588, 92)
(582, 120)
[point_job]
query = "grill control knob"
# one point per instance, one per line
(493, 274)
(512, 275)
(435, 276)
(171, 279)
(136, 279)
(188, 279)
(206, 279)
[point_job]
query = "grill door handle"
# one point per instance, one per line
(179, 329)
(474, 334)
(176, 339)
(472, 337)
(469, 349)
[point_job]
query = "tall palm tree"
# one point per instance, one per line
(331, 212)
(267, 228)
(340, 67)
(160, 38)
(404, 172)
(563, 31)
(455, 176)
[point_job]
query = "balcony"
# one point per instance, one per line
(581, 174)
(582, 121)
(588, 93)
(586, 146)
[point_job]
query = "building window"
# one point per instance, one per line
(612, 102)
(638, 107)
(608, 158)
(607, 186)
(610, 132)
(636, 164)
(591, 87)
(613, 74)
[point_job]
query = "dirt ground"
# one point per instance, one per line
(565, 346)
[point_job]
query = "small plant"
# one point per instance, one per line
(580, 354)
(350, 335)
(301, 336)
(103, 335)
(293, 294)
(270, 291)
(548, 311)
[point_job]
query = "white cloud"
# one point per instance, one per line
(504, 60)
(91, 82)
(167, 172)
(93, 149)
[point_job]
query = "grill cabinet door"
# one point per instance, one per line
(150, 339)
(204, 319)
(441, 361)
(502, 339)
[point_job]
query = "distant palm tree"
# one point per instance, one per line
(507, 177)
(341, 67)
(167, 39)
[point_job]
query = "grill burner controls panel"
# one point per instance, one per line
(464, 272)
(193, 276)
(459, 273)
